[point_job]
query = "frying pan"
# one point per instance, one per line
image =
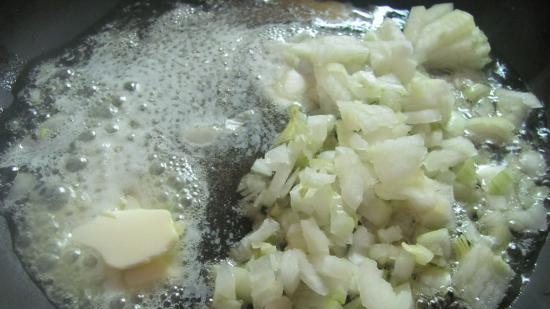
(518, 31)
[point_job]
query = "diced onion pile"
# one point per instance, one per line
(384, 194)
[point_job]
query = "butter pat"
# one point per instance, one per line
(129, 238)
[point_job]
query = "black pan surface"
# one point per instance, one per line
(519, 32)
